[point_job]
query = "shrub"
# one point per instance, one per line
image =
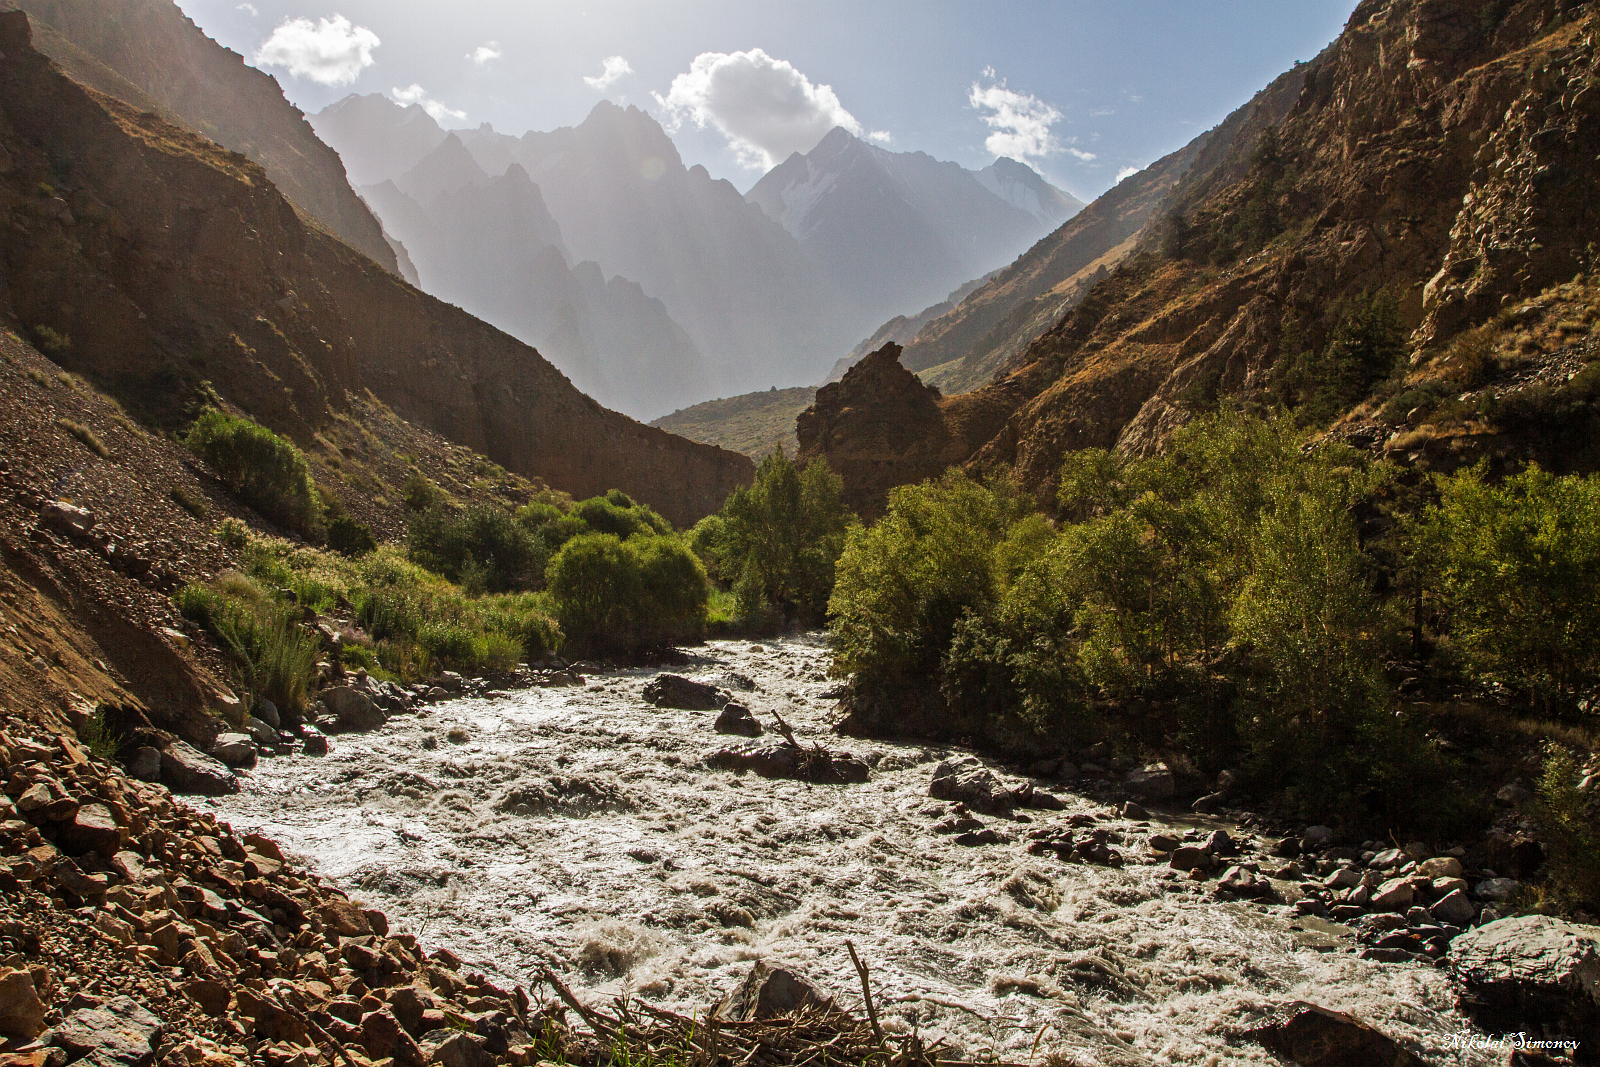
(272, 656)
(348, 537)
(87, 437)
(483, 543)
(779, 539)
(264, 470)
(619, 516)
(1573, 871)
(189, 502)
(53, 344)
(98, 736)
(624, 596)
(420, 493)
(1517, 570)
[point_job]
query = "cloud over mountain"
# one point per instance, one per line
(416, 94)
(1021, 121)
(765, 107)
(612, 68)
(331, 51)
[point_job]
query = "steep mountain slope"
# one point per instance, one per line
(1439, 152)
(152, 261)
(895, 230)
(902, 329)
(752, 302)
(176, 69)
(490, 246)
(377, 138)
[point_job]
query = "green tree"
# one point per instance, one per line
(612, 595)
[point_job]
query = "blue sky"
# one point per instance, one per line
(1084, 89)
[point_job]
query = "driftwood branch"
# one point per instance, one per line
(866, 990)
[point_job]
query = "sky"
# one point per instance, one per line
(1085, 91)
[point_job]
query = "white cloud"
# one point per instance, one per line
(1081, 156)
(1127, 172)
(1021, 121)
(330, 51)
(881, 136)
(248, 9)
(416, 94)
(764, 107)
(611, 69)
(485, 52)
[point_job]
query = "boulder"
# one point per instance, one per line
(966, 780)
(67, 519)
(1531, 973)
(1498, 890)
(1454, 908)
(1313, 1036)
(117, 1033)
(313, 742)
(236, 750)
(344, 918)
(1440, 867)
(675, 691)
(1396, 894)
(145, 764)
(21, 1010)
(737, 719)
(410, 1004)
(767, 992)
(91, 829)
(455, 1048)
(186, 769)
(773, 758)
(1190, 858)
(1316, 837)
(382, 1035)
(1152, 782)
(267, 712)
(352, 709)
(261, 732)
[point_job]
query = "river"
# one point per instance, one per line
(581, 826)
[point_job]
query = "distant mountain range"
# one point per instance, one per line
(688, 290)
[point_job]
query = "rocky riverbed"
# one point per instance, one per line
(583, 827)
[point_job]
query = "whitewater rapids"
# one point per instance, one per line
(582, 827)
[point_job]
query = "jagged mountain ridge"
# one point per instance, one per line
(1363, 186)
(895, 230)
(490, 246)
(165, 261)
(174, 68)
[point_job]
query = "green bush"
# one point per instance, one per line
(273, 657)
(778, 541)
(483, 543)
(1516, 567)
(264, 470)
(1573, 870)
(420, 493)
(348, 537)
(1366, 346)
(621, 596)
(619, 516)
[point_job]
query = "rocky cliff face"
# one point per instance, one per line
(1440, 151)
(151, 46)
(151, 260)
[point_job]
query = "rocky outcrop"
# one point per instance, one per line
(168, 262)
(676, 691)
(152, 55)
(1532, 974)
(1313, 1036)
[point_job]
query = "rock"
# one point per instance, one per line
(21, 1010)
(737, 719)
(187, 770)
(313, 742)
(1130, 810)
(236, 750)
(118, 1033)
(1163, 842)
(1532, 973)
(267, 712)
(966, 780)
(767, 992)
(1389, 857)
(352, 709)
(1394, 895)
(455, 1048)
(409, 1004)
(773, 758)
(675, 691)
(1440, 867)
(1513, 795)
(1152, 782)
(212, 996)
(1190, 858)
(382, 1035)
(1220, 844)
(145, 764)
(986, 836)
(451, 681)
(1240, 881)
(1209, 804)
(92, 829)
(66, 518)
(1316, 837)
(344, 918)
(260, 732)
(1454, 908)
(1343, 878)
(1498, 890)
(1309, 1035)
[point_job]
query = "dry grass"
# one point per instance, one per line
(85, 435)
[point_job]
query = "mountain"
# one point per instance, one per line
(896, 230)
(172, 273)
(903, 328)
(751, 301)
(753, 423)
(149, 53)
(490, 246)
(1431, 169)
